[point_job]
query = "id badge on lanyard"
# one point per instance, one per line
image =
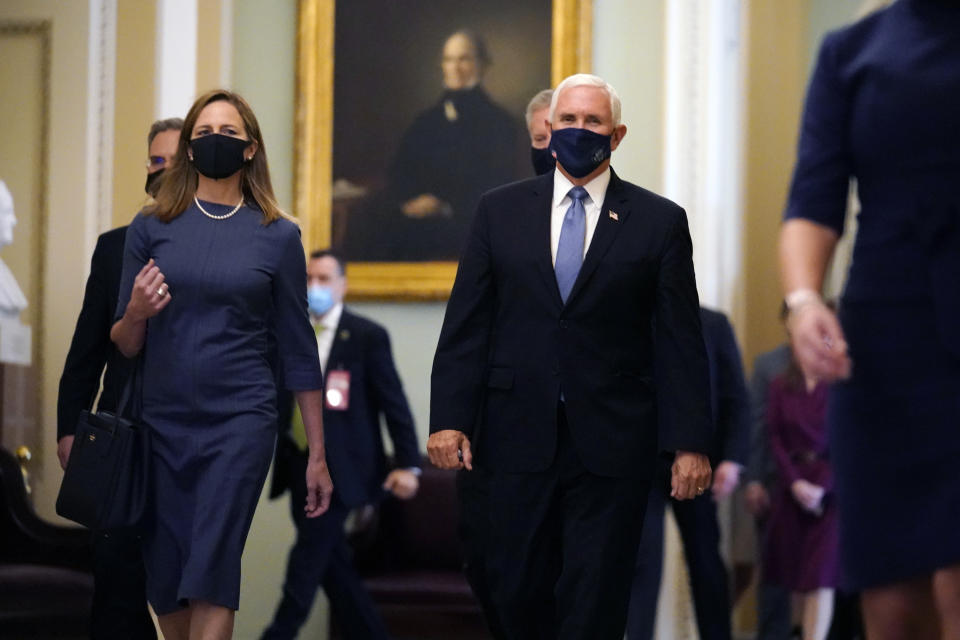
(337, 394)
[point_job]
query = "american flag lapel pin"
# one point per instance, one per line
(614, 216)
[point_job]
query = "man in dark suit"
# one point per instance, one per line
(472, 490)
(571, 335)
(773, 601)
(360, 384)
(697, 518)
(119, 596)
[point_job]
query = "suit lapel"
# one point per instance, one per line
(341, 333)
(613, 215)
(542, 196)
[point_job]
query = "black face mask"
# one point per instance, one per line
(543, 160)
(579, 151)
(153, 183)
(218, 156)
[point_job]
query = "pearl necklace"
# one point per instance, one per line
(224, 216)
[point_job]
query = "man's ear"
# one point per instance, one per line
(619, 132)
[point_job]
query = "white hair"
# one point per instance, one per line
(588, 80)
(537, 102)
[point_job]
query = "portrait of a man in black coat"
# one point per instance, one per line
(410, 197)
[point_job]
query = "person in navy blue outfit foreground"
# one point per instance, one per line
(883, 108)
(211, 272)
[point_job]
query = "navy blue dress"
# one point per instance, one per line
(208, 387)
(884, 107)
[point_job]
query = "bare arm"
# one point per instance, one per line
(319, 484)
(805, 251)
(818, 341)
(148, 297)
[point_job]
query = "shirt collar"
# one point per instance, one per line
(597, 188)
(331, 319)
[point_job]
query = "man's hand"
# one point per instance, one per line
(725, 479)
(818, 342)
(319, 488)
(808, 495)
(64, 445)
(402, 483)
(757, 499)
(690, 475)
(450, 449)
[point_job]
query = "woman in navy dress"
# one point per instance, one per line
(212, 272)
(800, 549)
(883, 107)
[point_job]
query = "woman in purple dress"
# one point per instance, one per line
(800, 551)
(213, 274)
(883, 107)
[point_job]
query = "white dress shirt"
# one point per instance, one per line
(330, 321)
(596, 188)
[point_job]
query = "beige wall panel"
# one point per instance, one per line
(24, 51)
(776, 71)
(628, 52)
(133, 113)
(209, 33)
(64, 262)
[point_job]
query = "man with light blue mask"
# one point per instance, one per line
(360, 384)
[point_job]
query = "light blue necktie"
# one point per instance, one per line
(570, 248)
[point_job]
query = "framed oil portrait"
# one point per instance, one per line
(406, 112)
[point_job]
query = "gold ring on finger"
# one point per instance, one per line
(161, 292)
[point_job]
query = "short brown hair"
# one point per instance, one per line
(179, 184)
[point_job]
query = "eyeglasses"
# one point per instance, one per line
(156, 162)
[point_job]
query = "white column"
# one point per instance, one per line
(176, 57)
(702, 150)
(101, 63)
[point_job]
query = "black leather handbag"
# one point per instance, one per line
(105, 485)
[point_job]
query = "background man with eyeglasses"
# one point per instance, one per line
(119, 598)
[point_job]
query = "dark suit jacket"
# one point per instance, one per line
(353, 438)
(766, 366)
(729, 400)
(626, 348)
(91, 347)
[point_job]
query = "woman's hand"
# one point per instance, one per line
(808, 495)
(150, 293)
(402, 483)
(818, 342)
(319, 488)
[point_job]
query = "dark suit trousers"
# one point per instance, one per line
(473, 491)
(119, 609)
(320, 556)
(700, 533)
(559, 542)
(773, 601)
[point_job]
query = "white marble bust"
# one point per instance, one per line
(12, 300)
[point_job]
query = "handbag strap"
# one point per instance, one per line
(134, 383)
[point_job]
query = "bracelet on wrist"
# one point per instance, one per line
(799, 298)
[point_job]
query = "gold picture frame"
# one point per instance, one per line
(569, 53)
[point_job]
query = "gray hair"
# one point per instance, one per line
(537, 102)
(588, 80)
(168, 124)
